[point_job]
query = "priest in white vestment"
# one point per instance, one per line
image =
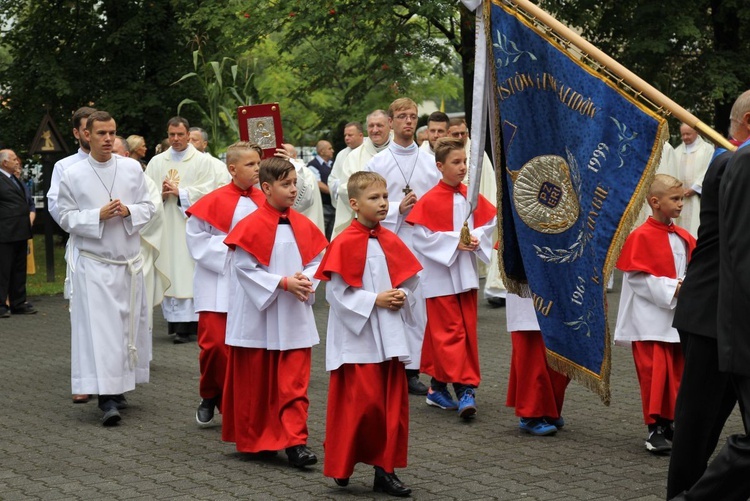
(104, 201)
(184, 175)
(353, 137)
(692, 158)
(378, 138)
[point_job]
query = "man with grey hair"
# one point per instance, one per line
(15, 230)
(199, 139)
(378, 138)
(729, 213)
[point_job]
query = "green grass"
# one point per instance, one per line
(36, 284)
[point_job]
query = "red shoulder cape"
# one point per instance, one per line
(217, 208)
(347, 254)
(257, 234)
(434, 210)
(647, 249)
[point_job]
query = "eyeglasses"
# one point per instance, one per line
(405, 116)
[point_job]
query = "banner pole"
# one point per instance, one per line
(633, 80)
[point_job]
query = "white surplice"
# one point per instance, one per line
(108, 305)
(520, 314)
(308, 200)
(52, 194)
(447, 270)
(647, 302)
(207, 247)
(355, 161)
(401, 166)
(262, 315)
(358, 331)
(196, 177)
(333, 177)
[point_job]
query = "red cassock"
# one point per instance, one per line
(367, 419)
(658, 364)
(659, 367)
(450, 349)
(217, 209)
(534, 389)
(265, 398)
(265, 403)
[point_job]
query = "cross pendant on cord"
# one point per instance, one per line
(407, 190)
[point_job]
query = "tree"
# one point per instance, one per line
(694, 51)
(360, 49)
(118, 56)
(225, 85)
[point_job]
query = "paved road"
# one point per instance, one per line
(52, 449)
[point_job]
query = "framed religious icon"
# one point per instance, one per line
(261, 124)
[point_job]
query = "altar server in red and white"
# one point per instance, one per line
(270, 324)
(372, 276)
(210, 219)
(654, 259)
(450, 280)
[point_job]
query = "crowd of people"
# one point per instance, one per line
(233, 251)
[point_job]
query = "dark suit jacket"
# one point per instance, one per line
(699, 295)
(14, 211)
(734, 267)
(324, 172)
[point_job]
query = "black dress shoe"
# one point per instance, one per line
(120, 402)
(4, 312)
(204, 416)
(341, 482)
(111, 415)
(497, 302)
(416, 387)
(181, 339)
(389, 483)
(300, 456)
(25, 309)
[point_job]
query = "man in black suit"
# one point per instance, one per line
(321, 166)
(726, 476)
(706, 397)
(15, 230)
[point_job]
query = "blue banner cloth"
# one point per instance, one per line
(577, 154)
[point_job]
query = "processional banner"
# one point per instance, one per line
(578, 153)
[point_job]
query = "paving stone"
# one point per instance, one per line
(52, 449)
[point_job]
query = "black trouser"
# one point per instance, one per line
(459, 388)
(704, 402)
(13, 273)
(726, 478)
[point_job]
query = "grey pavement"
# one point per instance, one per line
(53, 449)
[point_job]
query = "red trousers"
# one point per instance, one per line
(534, 389)
(367, 420)
(265, 398)
(659, 367)
(212, 358)
(450, 352)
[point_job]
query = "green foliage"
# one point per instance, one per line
(224, 85)
(326, 61)
(694, 51)
(118, 56)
